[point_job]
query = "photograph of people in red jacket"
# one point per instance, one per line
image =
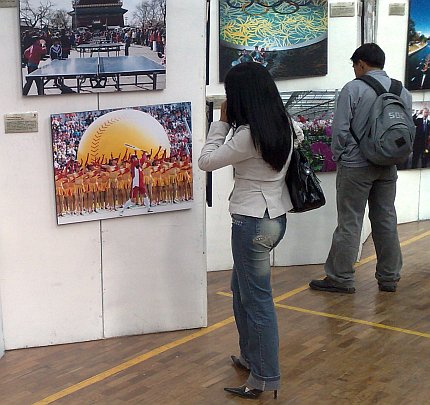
(33, 55)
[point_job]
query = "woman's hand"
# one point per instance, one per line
(224, 112)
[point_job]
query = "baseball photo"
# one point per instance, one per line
(115, 163)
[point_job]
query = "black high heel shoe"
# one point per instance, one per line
(245, 392)
(237, 363)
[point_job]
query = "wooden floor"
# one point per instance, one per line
(366, 348)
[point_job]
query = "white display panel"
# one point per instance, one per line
(424, 194)
(60, 284)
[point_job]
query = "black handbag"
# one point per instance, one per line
(303, 184)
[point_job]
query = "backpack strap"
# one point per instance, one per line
(396, 87)
(354, 135)
(377, 87)
(374, 84)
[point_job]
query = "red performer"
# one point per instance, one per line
(137, 186)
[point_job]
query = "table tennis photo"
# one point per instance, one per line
(83, 47)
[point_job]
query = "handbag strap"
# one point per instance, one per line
(292, 128)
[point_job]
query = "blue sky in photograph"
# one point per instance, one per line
(420, 14)
(129, 5)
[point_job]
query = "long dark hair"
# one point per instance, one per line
(252, 98)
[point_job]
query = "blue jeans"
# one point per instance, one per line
(252, 239)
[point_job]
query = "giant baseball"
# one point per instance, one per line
(121, 132)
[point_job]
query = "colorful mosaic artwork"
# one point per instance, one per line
(274, 25)
(288, 37)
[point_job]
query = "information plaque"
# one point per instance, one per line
(21, 122)
(8, 3)
(397, 9)
(345, 9)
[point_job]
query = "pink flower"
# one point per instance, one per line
(329, 164)
(321, 148)
(318, 148)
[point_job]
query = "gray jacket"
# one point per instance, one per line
(353, 106)
(257, 186)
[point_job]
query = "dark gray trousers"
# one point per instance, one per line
(355, 186)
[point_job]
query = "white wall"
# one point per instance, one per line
(412, 185)
(218, 222)
(297, 247)
(1, 333)
(107, 278)
(407, 196)
(424, 193)
(391, 36)
(308, 236)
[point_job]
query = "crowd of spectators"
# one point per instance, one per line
(154, 38)
(89, 187)
(68, 129)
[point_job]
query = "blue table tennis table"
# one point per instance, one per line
(97, 71)
(96, 48)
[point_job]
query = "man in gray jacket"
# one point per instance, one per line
(358, 181)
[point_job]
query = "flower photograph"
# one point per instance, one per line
(313, 111)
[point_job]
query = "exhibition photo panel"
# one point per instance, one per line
(418, 58)
(289, 38)
(420, 156)
(122, 162)
(313, 111)
(92, 46)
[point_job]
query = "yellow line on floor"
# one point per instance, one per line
(404, 243)
(365, 260)
(358, 264)
(277, 299)
(132, 362)
(139, 359)
(415, 238)
(290, 293)
(343, 318)
(360, 321)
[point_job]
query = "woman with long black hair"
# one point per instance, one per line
(259, 151)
